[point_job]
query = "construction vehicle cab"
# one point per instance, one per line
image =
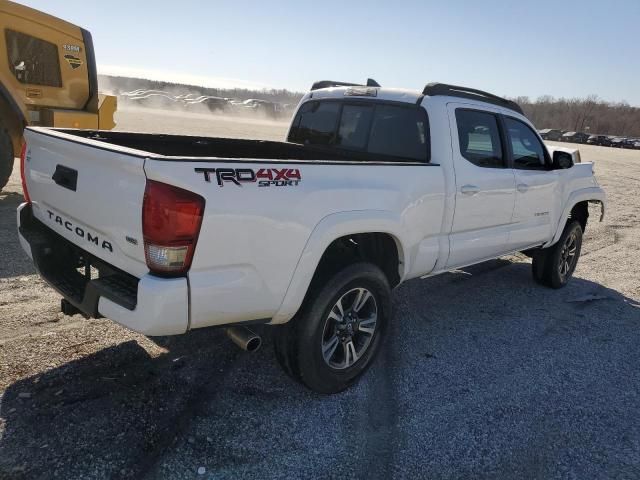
(48, 77)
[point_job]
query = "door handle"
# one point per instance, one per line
(522, 187)
(65, 177)
(469, 190)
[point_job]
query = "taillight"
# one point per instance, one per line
(171, 219)
(25, 192)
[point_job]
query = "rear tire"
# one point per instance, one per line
(554, 266)
(6, 156)
(335, 336)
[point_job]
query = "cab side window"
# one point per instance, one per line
(33, 61)
(479, 138)
(527, 149)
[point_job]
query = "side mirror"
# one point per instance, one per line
(562, 160)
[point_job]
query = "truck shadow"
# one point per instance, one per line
(10, 199)
(120, 400)
(121, 412)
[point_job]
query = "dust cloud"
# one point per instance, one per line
(163, 107)
(174, 121)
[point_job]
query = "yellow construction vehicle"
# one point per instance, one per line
(48, 77)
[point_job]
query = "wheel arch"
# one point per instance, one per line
(575, 208)
(370, 226)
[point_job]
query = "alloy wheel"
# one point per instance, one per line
(349, 328)
(568, 256)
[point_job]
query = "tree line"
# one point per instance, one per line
(590, 115)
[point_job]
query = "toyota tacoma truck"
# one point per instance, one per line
(372, 187)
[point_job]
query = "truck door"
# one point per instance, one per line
(536, 187)
(485, 187)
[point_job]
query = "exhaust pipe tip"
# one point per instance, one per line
(254, 344)
(244, 338)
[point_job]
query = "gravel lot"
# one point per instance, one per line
(485, 374)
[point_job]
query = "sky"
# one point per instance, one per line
(514, 48)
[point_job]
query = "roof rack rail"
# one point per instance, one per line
(433, 89)
(331, 83)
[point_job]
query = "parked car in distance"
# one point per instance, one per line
(552, 134)
(214, 104)
(618, 142)
(601, 140)
(629, 142)
(575, 137)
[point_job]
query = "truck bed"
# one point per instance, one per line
(192, 147)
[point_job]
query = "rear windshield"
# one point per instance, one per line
(381, 130)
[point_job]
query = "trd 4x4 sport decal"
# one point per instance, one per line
(264, 177)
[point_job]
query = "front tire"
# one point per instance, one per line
(334, 338)
(6, 156)
(554, 266)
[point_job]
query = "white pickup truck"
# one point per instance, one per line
(374, 186)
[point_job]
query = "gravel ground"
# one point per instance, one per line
(485, 374)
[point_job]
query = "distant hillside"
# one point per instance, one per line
(119, 85)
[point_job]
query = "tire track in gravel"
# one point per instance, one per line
(369, 424)
(378, 423)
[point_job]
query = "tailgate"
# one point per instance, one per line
(90, 193)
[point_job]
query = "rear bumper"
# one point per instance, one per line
(149, 305)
